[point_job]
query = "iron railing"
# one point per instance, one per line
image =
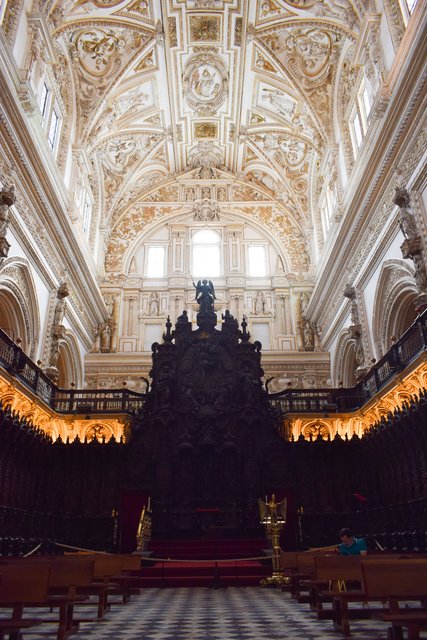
(77, 401)
(92, 401)
(401, 354)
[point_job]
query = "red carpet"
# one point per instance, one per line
(188, 563)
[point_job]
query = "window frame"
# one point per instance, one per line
(263, 246)
(149, 248)
(219, 245)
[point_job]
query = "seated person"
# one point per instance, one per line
(351, 546)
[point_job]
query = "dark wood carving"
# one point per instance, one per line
(207, 433)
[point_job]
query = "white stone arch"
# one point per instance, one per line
(19, 303)
(181, 216)
(345, 363)
(70, 364)
(394, 309)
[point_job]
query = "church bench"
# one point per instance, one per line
(332, 573)
(301, 578)
(378, 589)
(399, 581)
(65, 577)
(289, 564)
(336, 572)
(21, 586)
(129, 578)
(415, 622)
(106, 568)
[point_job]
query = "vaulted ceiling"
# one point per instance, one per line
(168, 88)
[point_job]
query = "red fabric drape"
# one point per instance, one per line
(131, 505)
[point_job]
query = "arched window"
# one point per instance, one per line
(206, 254)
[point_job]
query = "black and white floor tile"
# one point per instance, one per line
(234, 613)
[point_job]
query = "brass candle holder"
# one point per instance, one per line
(273, 517)
(143, 534)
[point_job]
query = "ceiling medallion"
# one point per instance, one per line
(205, 82)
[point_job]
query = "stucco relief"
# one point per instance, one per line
(268, 9)
(99, 56)
(309, 55)
(395, 20)
(205, 82)
(291, 161)
(283, 228)
(127, 229)
(118, 157)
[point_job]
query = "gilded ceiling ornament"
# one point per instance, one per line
(97, 50)
(102, 4)
(147, 62)
(205, 82)
(141, 7)
(262, 63)
(238, 32)
(173, 39)
(205, 130)
(301, 4)
(269, 8)
(205, 28)
(307, 52)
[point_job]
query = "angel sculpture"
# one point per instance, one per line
(205, 295)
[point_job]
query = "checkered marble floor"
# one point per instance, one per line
(250, 613)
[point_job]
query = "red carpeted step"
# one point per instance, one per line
(179, 569)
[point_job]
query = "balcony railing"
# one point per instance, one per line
(77, 401)
(407, 348)
(92, 401)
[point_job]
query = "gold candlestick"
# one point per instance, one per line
(273, 517)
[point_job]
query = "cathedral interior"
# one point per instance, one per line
(213, 269)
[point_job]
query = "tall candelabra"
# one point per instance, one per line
(273, 516)
(143, 535)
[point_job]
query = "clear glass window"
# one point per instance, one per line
(44, 99)
(53, 129)
(257, 263)
(366, 102)
(155, 262)
(87, 211)
(206, 254)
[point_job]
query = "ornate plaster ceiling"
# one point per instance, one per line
(241, 89)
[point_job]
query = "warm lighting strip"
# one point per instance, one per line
(348, 424)
(70, 427)
(66, 427)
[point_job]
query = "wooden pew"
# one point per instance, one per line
(397, 581)
(106, 566)
(66, 576)
(112, 576)
(129, 580)
(332, 573)
(300, 580)
(21, 586)
(341, 599)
